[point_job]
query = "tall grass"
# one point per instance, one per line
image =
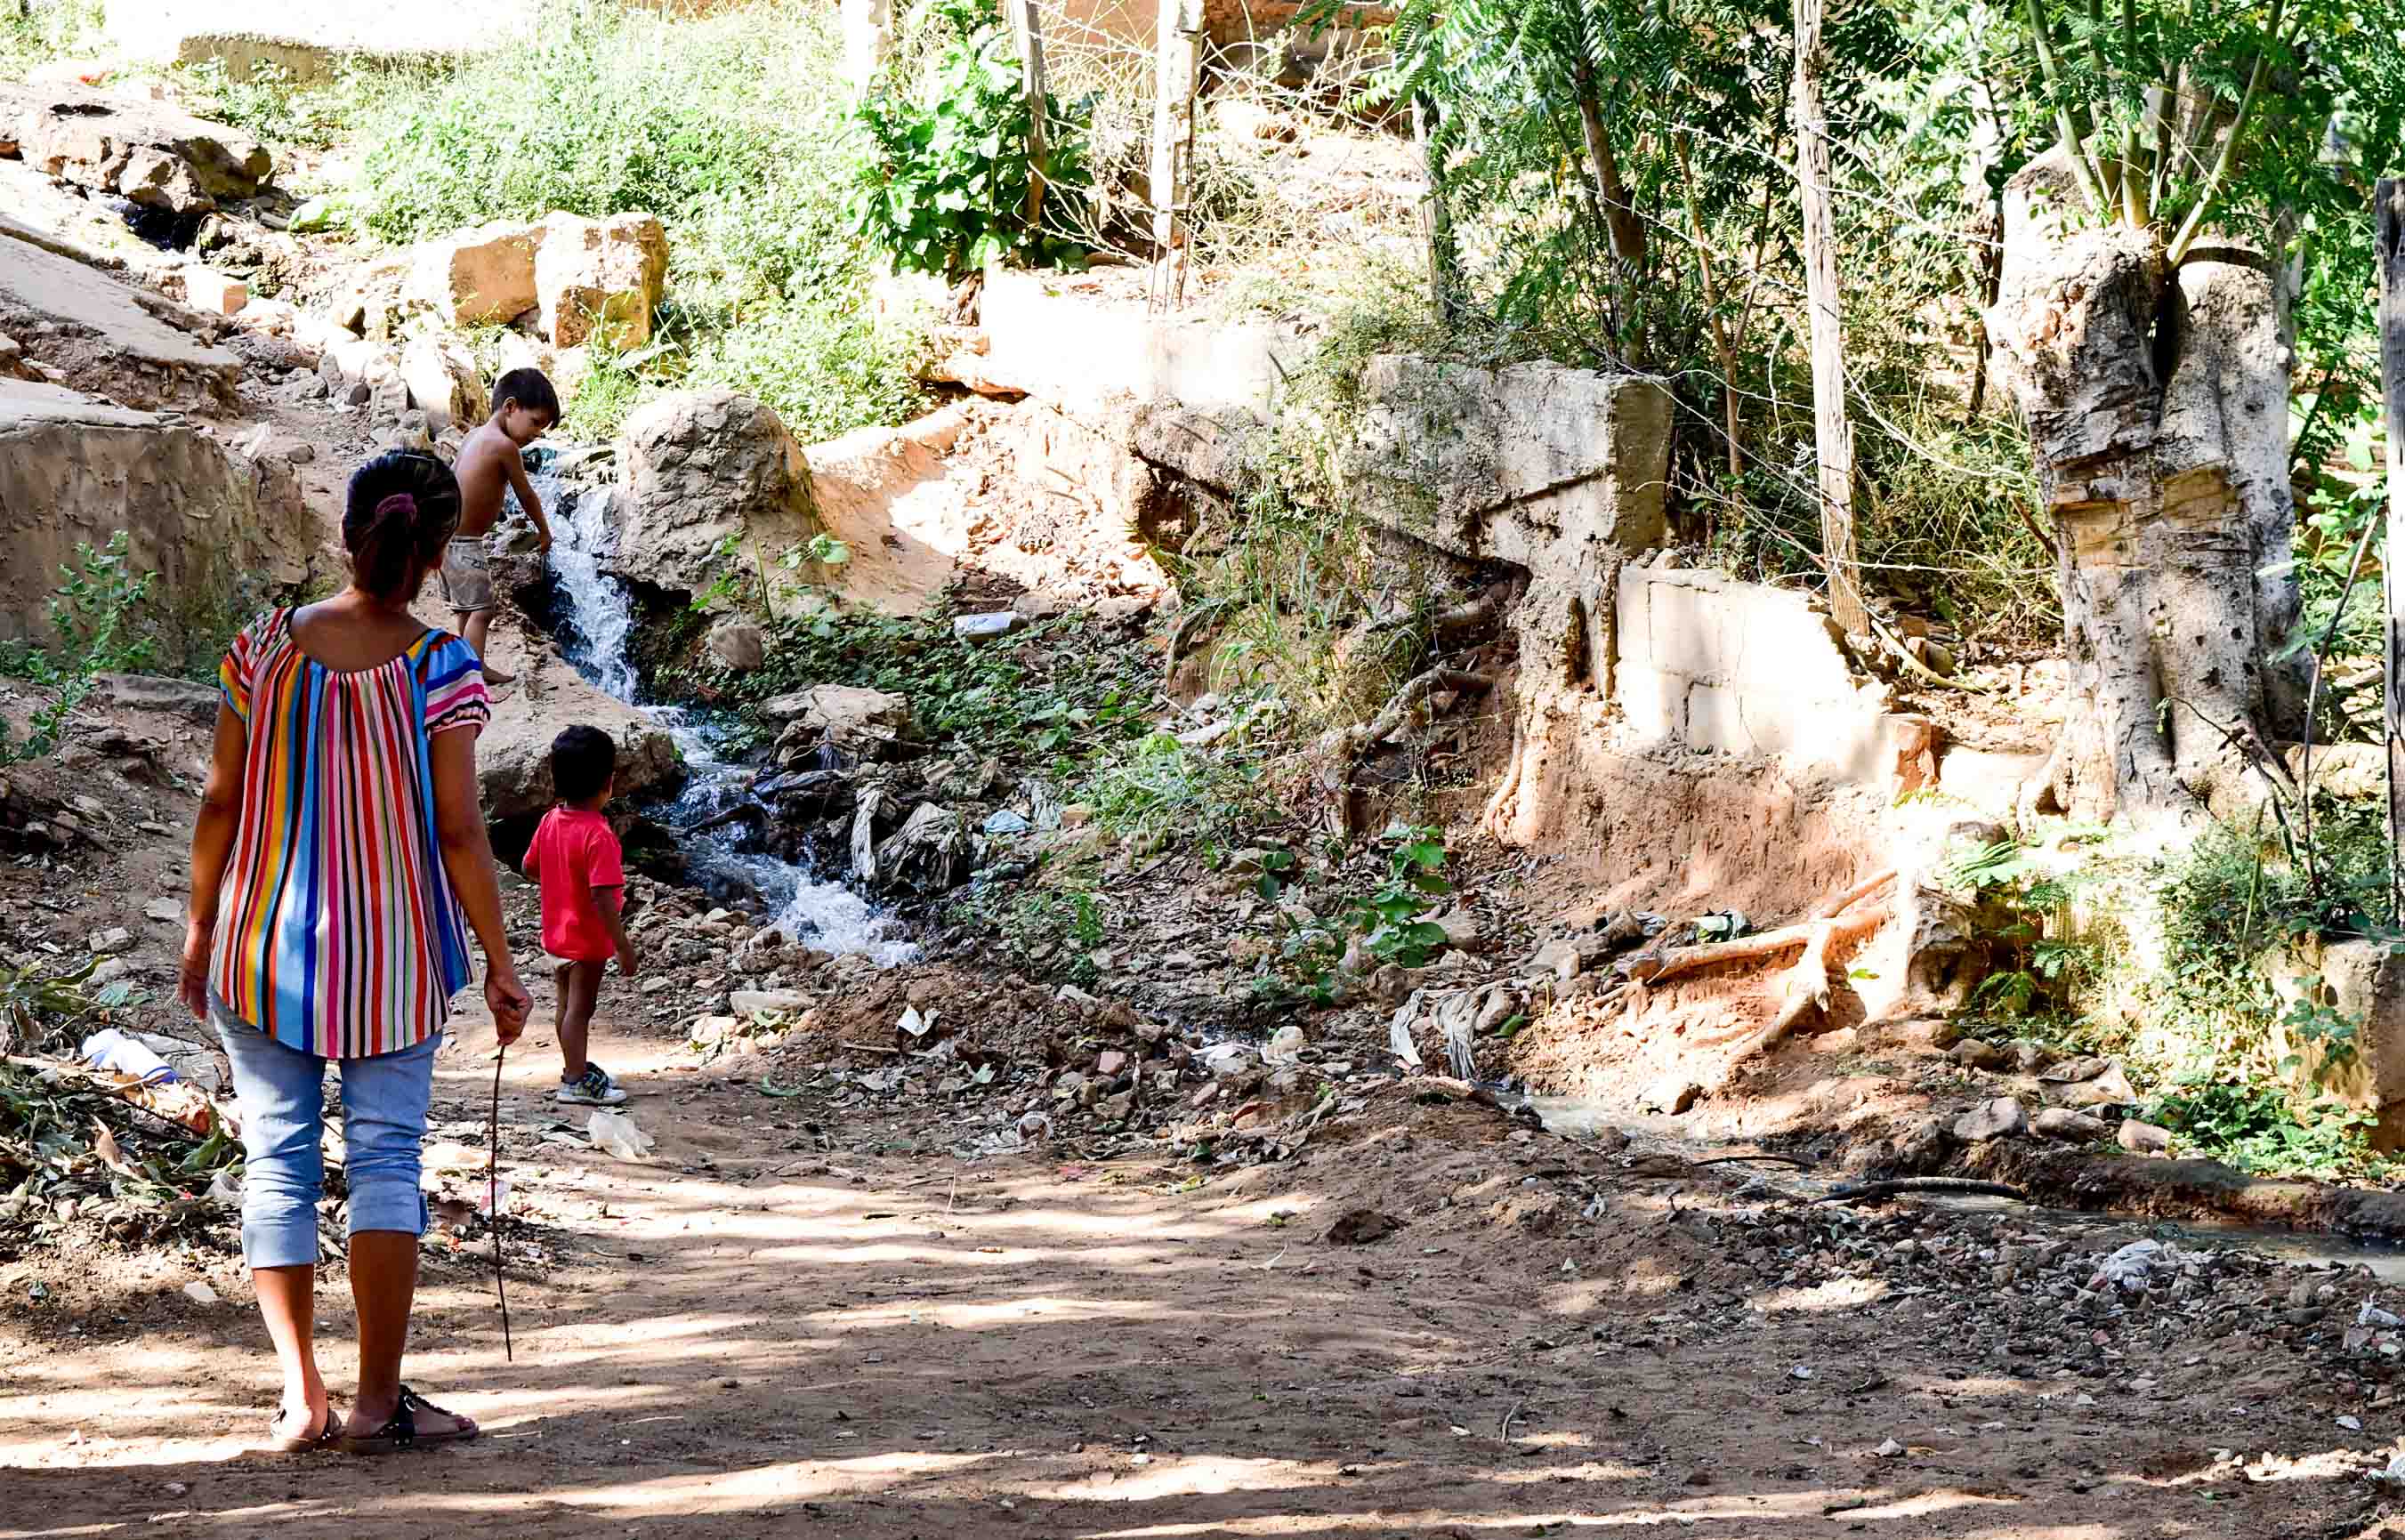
(734, 129)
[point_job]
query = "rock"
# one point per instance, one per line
(2003, 1118)
(1972, 1053)
(739, 644)
(164, 909)
(145, 152)
(2110, 1089)
(864, 723)
(214, 293)
(481, 276)
(1673, 1094)
(2072, 1070)
(76, 472)
(360, 361)
(108, 942)
(1360, 1226)
(443, 382)
(2062, 1122)
(600, 280)
(514, 752)
(71, 323)
(753, 1002)
(1111, 1064)
(1460, 928)
(1565, 957)
(192, 701)
(2144, 1138)
(701, 469)
(109, 971)
(2030, 1058)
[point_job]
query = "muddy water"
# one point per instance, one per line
(1578, 1117)
(601, 618)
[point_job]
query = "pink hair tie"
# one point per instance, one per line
(400, 503)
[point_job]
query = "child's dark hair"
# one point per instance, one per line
(531, 388)
(402, 508)
(582, 759)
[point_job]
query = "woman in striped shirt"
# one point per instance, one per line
(338, 862)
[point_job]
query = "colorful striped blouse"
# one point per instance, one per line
(338, 933)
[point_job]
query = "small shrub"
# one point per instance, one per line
(98, 614)
(942, 185)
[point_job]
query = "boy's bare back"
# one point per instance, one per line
(484, 468)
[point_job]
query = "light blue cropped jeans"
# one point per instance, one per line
(281, 1092)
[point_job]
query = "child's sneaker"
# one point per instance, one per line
(594, 1088)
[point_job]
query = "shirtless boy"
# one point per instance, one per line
(493, 460)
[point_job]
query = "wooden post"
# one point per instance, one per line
(1835, 439)
(2389, 255)
(1436, 217)
(1178, 71)
(1030, 34)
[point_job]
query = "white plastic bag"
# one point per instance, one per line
(614, 1133)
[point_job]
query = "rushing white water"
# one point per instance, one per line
(600, 619)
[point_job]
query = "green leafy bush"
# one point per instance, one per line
(98, 613)
(943, 185)
(735, 130)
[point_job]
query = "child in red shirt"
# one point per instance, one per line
(575, 857)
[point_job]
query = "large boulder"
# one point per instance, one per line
(483, 276)
(203, 518)
(443, 382)
(514, 754)
(599, 280)
(701, 469)
(143, 151)
(76, 324)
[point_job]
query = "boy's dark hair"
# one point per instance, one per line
(582, 759)
(402, 506)
(531, 388)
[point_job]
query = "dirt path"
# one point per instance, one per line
(750, 1339)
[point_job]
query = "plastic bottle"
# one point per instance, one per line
(113, 1051)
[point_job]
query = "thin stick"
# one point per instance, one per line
(493, 1201)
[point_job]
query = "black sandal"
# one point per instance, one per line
(401, 1433)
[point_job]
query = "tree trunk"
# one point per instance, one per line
(2388, 247)
(2157, 405)
(1833, 437)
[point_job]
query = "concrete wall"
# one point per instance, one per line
(1086, 354)
(305, 36)
(1740, 668)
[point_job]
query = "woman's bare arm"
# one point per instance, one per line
(468, 857)
(213, 833)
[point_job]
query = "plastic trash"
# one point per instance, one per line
(1226, 1058)
(1005, 822)
(119, 1053)
(614, 1133)
(493, 1197)
(978, 627)
(1285, 1046)
(200, 1292)
(2133, 1266)
(226, 1187)
(2372, 1315)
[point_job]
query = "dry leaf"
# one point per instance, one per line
(104, 1145)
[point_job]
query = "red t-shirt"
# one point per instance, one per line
(573, 855)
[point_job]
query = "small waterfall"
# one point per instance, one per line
(600, 619)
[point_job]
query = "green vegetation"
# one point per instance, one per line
(943, 183)
(98, 613)
(733, 130)
(35, 34)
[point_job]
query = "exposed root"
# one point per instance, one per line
(1769, 943)
(1496, 818)
(1349, 742)
(1807, 985)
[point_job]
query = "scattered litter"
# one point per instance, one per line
(615, 1133)
(1226, 1058)
(2133, 1266)
(2352, 1424)
(2394, 1475)
(119, 1053)
(1799, 1372)
(1889, 1449)
(1285, 1047)
(226, 1186)
(978, 628)
(913, 1024)
(2372, 1315)
(1005, 822)
(200, 1292)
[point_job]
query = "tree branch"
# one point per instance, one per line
(2066, 127)
(2194, 223)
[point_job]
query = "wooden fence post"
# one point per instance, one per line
(2389, 254)
(1030, 34)
(1835, 435)
(1177, 74)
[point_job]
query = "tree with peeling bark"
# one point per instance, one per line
(2153, 254)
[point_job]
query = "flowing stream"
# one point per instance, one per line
(599, 620)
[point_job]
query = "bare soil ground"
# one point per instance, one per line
(798, 1318)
